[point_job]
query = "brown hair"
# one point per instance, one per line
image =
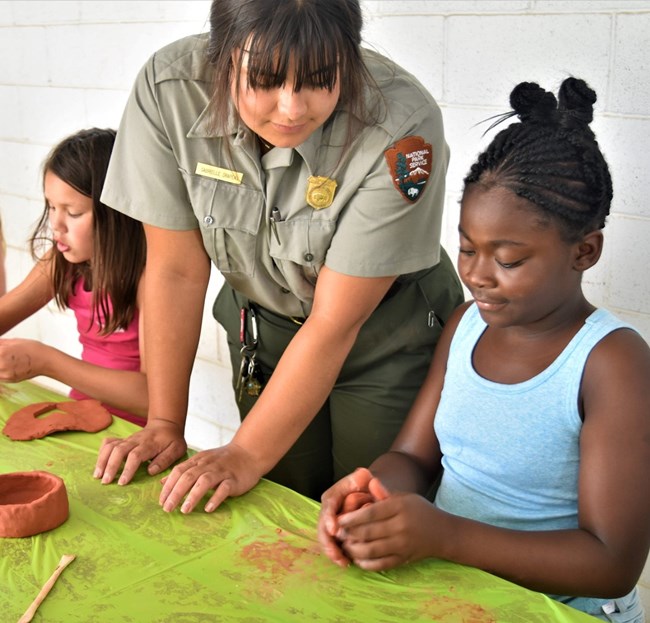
(119, 244)
(322, 36)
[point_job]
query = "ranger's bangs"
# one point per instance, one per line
(315, 62)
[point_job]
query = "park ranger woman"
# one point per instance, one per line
(311, 173)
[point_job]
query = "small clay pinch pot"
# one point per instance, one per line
(31, 503)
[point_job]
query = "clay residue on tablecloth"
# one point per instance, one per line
(276, 563)
(44, 418)
(274, 558)
(454, 610)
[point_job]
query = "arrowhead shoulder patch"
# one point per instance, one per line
(410, 162)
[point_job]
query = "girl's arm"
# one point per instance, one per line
(295, 392)
(413, 462)
(177, 274)
(33, 293)
(603, 557)
(24, 359)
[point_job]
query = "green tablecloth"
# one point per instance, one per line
(255, 559)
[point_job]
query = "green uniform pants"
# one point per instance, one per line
(376, 386)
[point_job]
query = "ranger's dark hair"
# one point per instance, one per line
(323, 37)
(551, 157)
(119, 243)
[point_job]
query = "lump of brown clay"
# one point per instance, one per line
(84, 415)
(31, 503)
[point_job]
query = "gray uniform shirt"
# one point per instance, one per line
(168, 169)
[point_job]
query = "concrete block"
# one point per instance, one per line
(464, 130)
(18, 263)
(45, 116)
(20, 164)
(201, 434)
(487, 56)
(105, 55)
(6, 14)
(415, 43)
(52, 12)
(59, 329)
(50, 326)
(595, 280)
(211, 394)
(24, 52)
(195, 12)
(628, 277)
(589, 6)
(19, 217)
(223, 352)
(442, 7)
(624, 141)
(630, 89)
(449, 234)
(208, 344)
(104, 107)
(11, 123)
(140, 11)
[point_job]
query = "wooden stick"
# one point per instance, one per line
(66, 559)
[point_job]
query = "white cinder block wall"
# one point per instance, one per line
(70, 64)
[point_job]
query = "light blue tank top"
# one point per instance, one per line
(511, 452)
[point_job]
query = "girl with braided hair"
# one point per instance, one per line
(536, 408)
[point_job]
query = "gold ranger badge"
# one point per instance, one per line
(320, 192)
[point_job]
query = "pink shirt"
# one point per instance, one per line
(118, 351)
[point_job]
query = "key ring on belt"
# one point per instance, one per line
(249, 379)
(246, 346)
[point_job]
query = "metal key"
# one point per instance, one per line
(252, 384)
(242, 377)
(250, 377)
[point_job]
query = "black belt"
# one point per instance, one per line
(299, 320)
(263, 311)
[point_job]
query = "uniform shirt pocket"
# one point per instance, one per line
(229, 216)
(300, 247)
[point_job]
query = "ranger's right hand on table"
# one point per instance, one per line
(230, 470)
(161, 443)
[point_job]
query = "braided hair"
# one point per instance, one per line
(551, 157)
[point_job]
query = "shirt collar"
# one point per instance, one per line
(202, 129)
(241, 135)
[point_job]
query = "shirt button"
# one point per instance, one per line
(208, 220)
(308, 257)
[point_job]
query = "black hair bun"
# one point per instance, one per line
(532, 103)
(578, 98)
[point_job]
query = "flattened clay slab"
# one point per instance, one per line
(84, 415)
(31, 503)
